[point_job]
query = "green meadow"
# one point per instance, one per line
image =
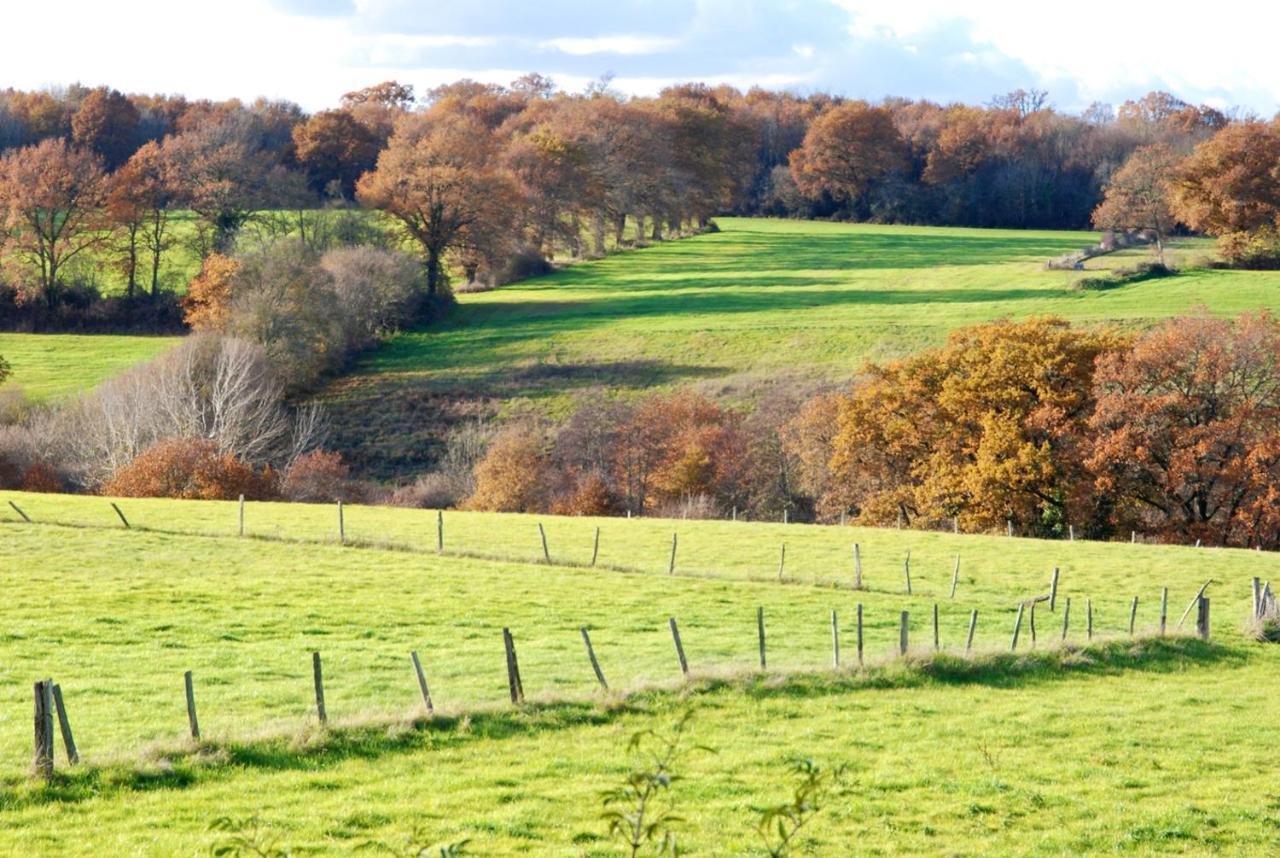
(1142, 745)
(53, 366)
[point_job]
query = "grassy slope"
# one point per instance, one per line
(49, 366)
(1146, 760)
(760, 302)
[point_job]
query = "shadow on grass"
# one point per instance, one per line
(316, 748)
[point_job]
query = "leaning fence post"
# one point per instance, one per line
(192, 721)
(760, 634)
(1202, 618)
(902, 633)
(857, 567)
(1133, 615)
(1066, 617)
(973, 627)
(1164, 609)
(906, 571)
(955, 576)
(595, 548)
(44, 729)
(241, 516)
(859, 633)
(546, 553)
(782, 561)
(1017, 626)
(675, 636)
(121, 514)
(1053, 591)
(671, 564)
(422, 683)
(19, 511)
(591, 654)
(513, 668)
(319, 680)
(1031, 624)
(835, 639)
(64, 724)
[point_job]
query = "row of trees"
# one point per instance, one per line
(1174, 433)
(488, 180)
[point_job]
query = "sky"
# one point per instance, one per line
(311, 51)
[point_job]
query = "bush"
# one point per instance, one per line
(1259, 250)
(511, 476)
(42, 477)
(190, 469)
(434, 490)
(317, 477)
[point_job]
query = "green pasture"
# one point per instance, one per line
(1141, 747)
(51, 366)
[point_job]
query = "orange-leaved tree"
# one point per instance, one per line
(192, 469)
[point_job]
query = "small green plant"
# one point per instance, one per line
(419, 844)
(780, 824)
(634, 812)
(247, 837)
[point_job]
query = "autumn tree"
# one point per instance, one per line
(846, 150)
(511, 476)
(1139, 195)
(439, 177)
(207, 304)
(189, 469)
(51, 198)
(106, 124)
(335, 150)
(138, 206)
(1186, 432)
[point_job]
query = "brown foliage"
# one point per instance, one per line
(40, 476)
(208, 301)
(1231, 182)
(319, 476)
(335, 149)
(106, 124)
(190, 469)
(512, 475)
(847, 149)
(1139, 195)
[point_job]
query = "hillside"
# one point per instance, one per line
(761, 302)
(1118, 747)
(50, 366)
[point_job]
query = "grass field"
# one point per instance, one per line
(761, 302)
(1146, 748)
(51, 366)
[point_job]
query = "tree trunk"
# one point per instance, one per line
(597, 233)
(619, 228)
(639, 229)
(657, 229)
(433, 272)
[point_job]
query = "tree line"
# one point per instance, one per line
(487, 182)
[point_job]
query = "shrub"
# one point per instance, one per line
(42, 477)
(10, 473)
(1259, 249)
(376, 290)
(588, 495)
(317, 477)
(190, 469)
(434, 490)
(511, 475)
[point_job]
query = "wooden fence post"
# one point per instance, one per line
(857, 567)
(1195, 600)
(546, 553)
(19, 511)
(64, 724)
(859, 634)
(591, 654)
(439, 531)
(44, 730)
(1071, 533)
(192, 722)
(955, 524)
(1032, 624)
(1202, 618)
(937, 642)
(973, 627)
(1017, 626)
(782, 561)
(671, 565)
(1053, 591)
(1088, 615)
(1164, 609)
(835, 639)
(902, 633)
(121, 514)
(906, 571)
(342, 524)
(1133, 615)
(319, 680)
(760, 634)
(1008, 523)
(241, 516)
(595, 548)
(513, 668)
(1133, 537)
(955, 576)
(675, 636)
(422, 683)
(1066, 617)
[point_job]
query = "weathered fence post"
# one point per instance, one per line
(906, 571)
(342, 525)
(835, 639)
(64, 725)
(546, 552)
(319, 680)
(422, 683)
(859, 634)
(1071, 533)
(1133, 615)
(1066, 617)
(1133, 537)
(241, 516)
(19, 511)
(857, 567)
(1032, 623)
(595, 548)
(973, 627)
(121, 514)
(192, 722)
(937, 642)
(760, 634)
(514, 684)
(671, 566)
(1088, 616)
(1202, 618)
(44, 730)
(1257, 596)
(1053, 591)
(591, 654)
(902, 633)
(1008, 522)
(955, 576)
(1017, 627)
(1195, 600)
(1164, 609)
(675, 636)
(439, 531)
(782, 561)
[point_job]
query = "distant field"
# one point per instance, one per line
(761, 302)
(1146, 751)
(50, 366)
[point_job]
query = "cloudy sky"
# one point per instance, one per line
(312, 51)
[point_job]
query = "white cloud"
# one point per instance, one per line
(627, 46)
